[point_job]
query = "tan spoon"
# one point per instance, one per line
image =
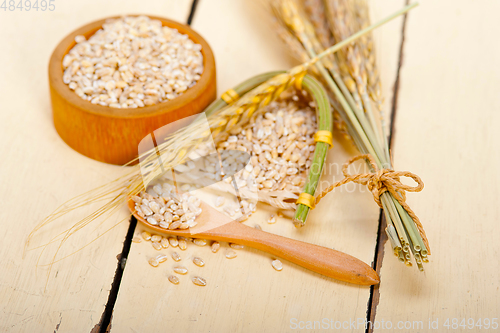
(216, 226)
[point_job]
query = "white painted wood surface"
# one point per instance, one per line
(246, 294)
(39, 172)
(447, 132)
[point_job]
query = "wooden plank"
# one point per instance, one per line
(245, 294)
(446, 132)
(40, 172)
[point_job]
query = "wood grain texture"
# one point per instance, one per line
(447, 133)
(39, 172)
(112, 135)
(246, 294)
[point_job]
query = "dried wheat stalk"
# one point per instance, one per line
(353, 79)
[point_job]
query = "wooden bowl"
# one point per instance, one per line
(112, 135)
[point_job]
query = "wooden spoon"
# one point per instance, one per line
(216, 226)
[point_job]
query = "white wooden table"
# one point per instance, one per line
(441, 86)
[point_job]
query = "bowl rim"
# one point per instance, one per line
(67, 43)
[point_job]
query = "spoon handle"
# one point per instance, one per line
(319, 259)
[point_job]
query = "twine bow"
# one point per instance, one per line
(380, 181)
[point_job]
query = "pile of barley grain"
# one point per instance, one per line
(161, 206)
(132, 62)
(281, 144)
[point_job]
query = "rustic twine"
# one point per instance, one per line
(380, 181)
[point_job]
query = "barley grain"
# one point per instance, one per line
(164, 242)
(215, 247)
(198, 261)
(230, 254)
(182, 244)
(184, 226)
(151, 220)
(173, 241)
(153, 262)
(277, 265)
(174, 225)
(200, 242)
(199, 281)
(161, 258)
(176, 256)
(146, 210)
(132, 58)
(155, 207)
(146, 235)
(230, 211)
(236, 246)
(180, 270)
(173, 279)
(219, 201)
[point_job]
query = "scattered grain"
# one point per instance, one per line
(198, 261)
(173, 241)
(164, 242)
(146, 235)
(230, 254)
(182, 244)
(200, 242)
(174, 279)
(199, 281)
(277, 265)
(215, 247)
(161, 258)
(176, 256)
(219, 201)
(180, 270)
(153, 262)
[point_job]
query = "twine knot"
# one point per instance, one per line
(379, 181)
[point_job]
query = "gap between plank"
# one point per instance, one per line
(104, 324)
(381, 235)
(191, 13)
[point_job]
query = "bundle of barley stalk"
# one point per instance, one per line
(226, 115)
(308, 27)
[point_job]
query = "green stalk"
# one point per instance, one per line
(324, 115)
(399, 217)
(416, 238)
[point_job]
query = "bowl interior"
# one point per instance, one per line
(90, 29)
